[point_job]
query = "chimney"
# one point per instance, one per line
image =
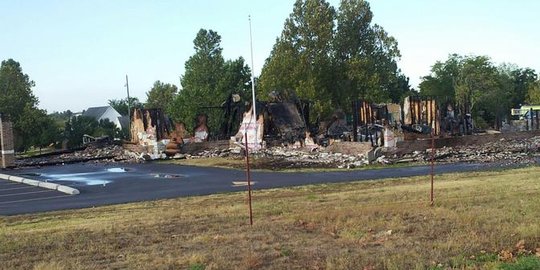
(7, 157)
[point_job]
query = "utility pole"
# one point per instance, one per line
(129, 108)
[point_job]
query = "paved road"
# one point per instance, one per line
(107, 184)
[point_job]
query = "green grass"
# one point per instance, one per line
(523, 263)
(196, 266)
(476, 223)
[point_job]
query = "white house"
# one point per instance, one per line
(105, 112)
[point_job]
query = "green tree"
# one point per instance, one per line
(205, 68)
(107, 128)
(440, 84)
(15, 90)
(495, 100)
(533, 96)
(523, 79)
(184, 110)
(121, 105)
(37, 128)
(201, 82)
(478, 86)
(18, 100)
(304, 51)
(333, 58)
(367, 54)
(50, 133)
(208, 82)
(77, 127)
(61, 116)
(236, 78)
(280, 71)
(161, 96)
(401, 89)
(477, 79)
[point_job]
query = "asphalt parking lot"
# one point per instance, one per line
(101, 184)
(12, 194)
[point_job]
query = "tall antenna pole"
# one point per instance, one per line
(129, 108)
(254, 106)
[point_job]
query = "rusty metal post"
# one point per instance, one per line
(248, 176)
(431, 198)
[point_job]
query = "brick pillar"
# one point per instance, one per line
(6, 142)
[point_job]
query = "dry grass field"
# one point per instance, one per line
(484, 220)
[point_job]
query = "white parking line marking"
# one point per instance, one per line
(17, 188)
(25, 193)
(34, 199)
(9, 184)
(242, 183)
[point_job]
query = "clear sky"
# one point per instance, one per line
(78, 52)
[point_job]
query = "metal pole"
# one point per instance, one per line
(431, 199)
(537, 120)
(254, 106)
(526, 122)
(248, 176)
(532, 119)
(129, 109)
(355, 120)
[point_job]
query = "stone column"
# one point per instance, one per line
(7, 157)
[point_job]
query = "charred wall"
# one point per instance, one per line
(285, 122)
(150, 124)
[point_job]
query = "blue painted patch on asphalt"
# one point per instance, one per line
(86, 178)
(117, 170)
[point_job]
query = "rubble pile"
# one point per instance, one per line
(101, 154)
(505, 150)
(226, 152)
(316, 157)
(291, 158)
(109, 153)
(511, 151)
(508, 150)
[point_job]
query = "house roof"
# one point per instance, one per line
(124, 121)
(96, 112)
